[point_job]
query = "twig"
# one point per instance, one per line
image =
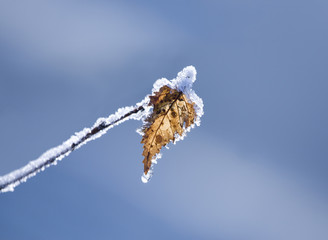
(10, 180)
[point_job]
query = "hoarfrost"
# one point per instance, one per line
(9, 181)
(183, 82)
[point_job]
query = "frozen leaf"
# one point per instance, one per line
(172, 114)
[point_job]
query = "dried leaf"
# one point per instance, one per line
(172, 114)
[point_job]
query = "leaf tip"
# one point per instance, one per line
(146, 177)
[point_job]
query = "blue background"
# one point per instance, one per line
(255, 169)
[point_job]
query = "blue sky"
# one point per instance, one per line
(255, 169)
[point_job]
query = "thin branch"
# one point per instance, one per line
(11, 180)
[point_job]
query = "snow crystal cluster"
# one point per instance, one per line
(183, 82)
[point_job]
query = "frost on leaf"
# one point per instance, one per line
(172, 114)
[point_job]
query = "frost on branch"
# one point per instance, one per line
(168, 113)
(9, 181)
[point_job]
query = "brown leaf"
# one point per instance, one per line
(172, 114)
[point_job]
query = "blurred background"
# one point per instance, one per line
(255, 169)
